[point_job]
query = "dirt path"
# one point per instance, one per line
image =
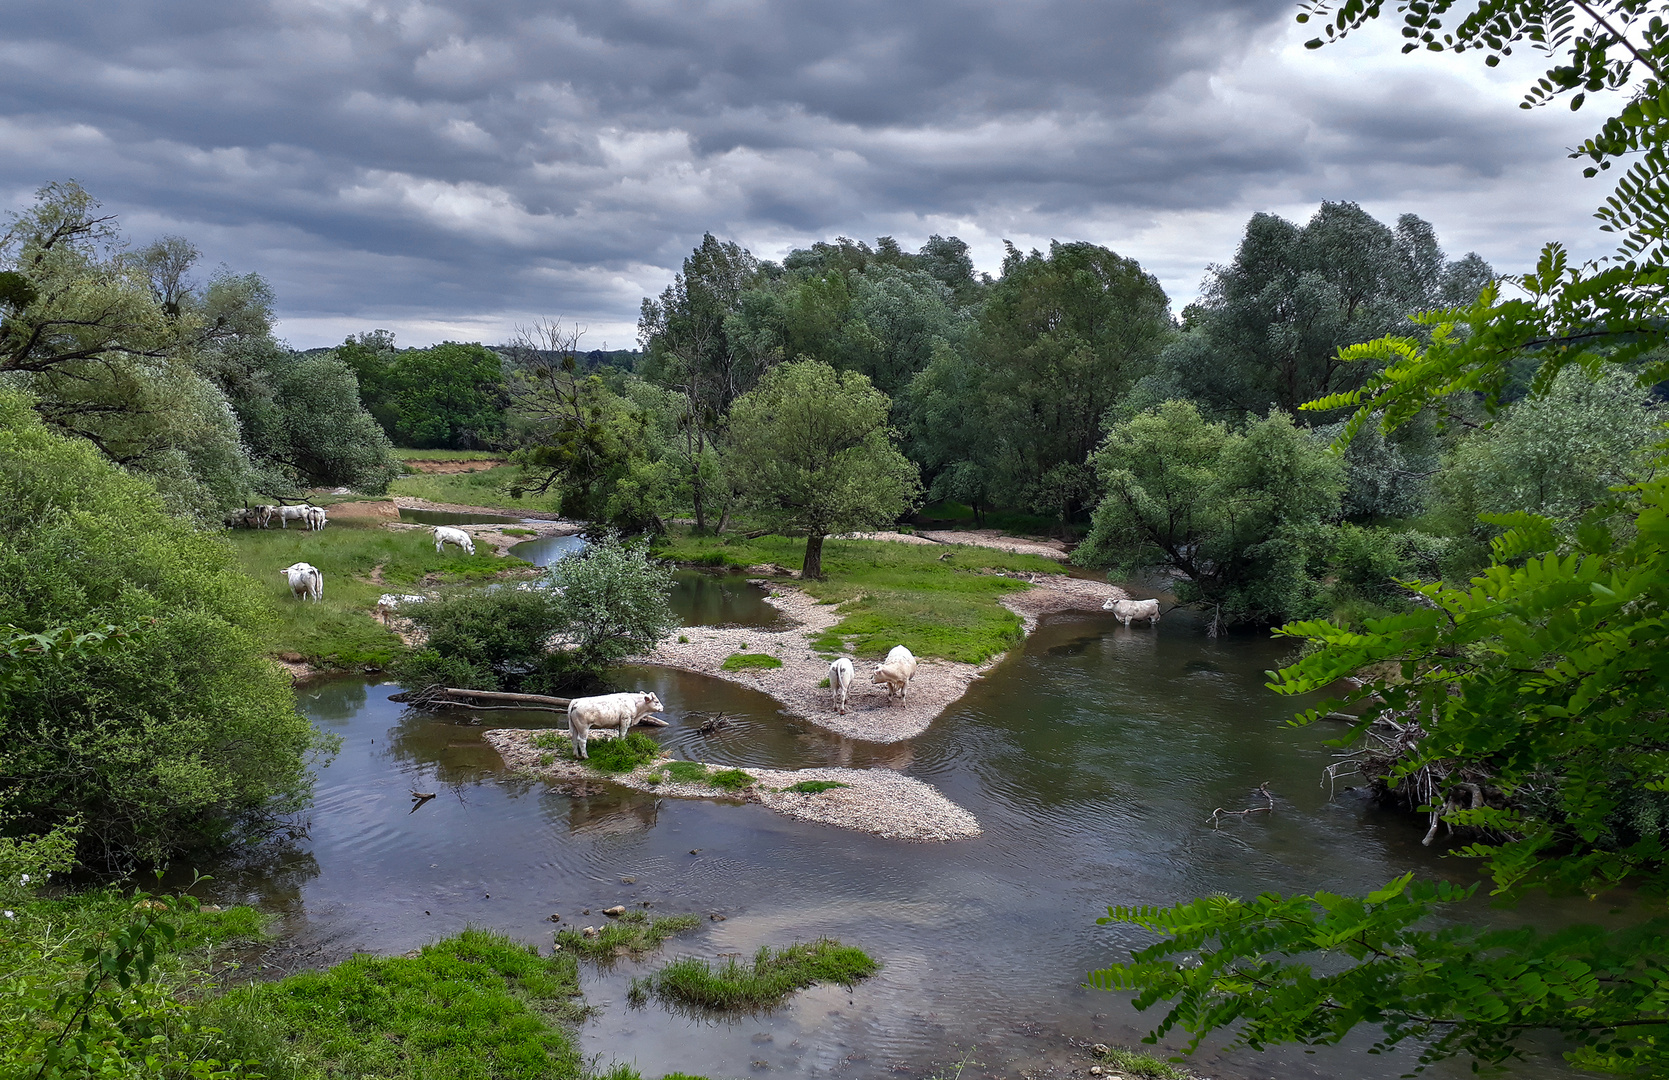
(869, 716)
(877, 801)
(425, 465)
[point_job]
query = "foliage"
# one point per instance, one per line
(730, 780)
(185, 731)
(896, 594)
(483, 639)
(449, 395)
(774, 975)
(99, 985)
(1270, 969)
(614, 599)
(622, 755)
(633, 934)
(1238, 513)
(494, 487)
(814, 787)
(469, 1007)
(744, 661)
(813, 455)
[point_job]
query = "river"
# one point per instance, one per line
(1093, 756)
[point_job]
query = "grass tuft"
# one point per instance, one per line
(773, 976)
(622, 755)
(1137, 1063)
(730, 779)
(686, 772)
(815, 787)
(743, 661)
(633, 934)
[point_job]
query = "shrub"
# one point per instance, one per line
(483, 640)
(622, 755)
(774, 975)
(743, 661)
(179, 733)
(614, 601)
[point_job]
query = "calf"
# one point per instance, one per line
(445, 535)
(305, 581)
(840, 681)
(897, 672)
(605, 711)
(1126, 610)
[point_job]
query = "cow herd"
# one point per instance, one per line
(260, 517)
(307, 582)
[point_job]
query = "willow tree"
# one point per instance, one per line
(812, 454)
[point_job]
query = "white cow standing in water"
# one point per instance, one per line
(840, 681)
(607, 710)
(306, 582)
(446, 535)
(897, 672)
(1126, 610)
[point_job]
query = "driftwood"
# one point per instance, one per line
(418, 798)
(1218, 814)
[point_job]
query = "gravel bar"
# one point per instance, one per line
(876, 801)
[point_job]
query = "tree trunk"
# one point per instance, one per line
(812, 567)
(724, 519)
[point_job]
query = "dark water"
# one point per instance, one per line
(547, 549)
(453, 517)
(706, 599)
(1093, 759)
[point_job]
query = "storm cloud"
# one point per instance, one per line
(450, 169)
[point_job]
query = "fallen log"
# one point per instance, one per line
(442, 697)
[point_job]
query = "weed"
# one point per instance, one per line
(549, 740)
(1137, 1063)
(773, 976)
(824, 685)
(815, 787)
(654, 779)
(686, 772)
(730, 779)
(744, 661)
(633, 933)
(622, 755)
(547, 759)
(683, 639)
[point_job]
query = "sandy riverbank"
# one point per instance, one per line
(876, 801)
(987, 538)
(869, 716)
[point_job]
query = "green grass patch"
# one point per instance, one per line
(892, 593)
(622, 755)
(449, 455)
(954, 514)
(340, 631)
(511, 530)
(1137, 1063)
(632, 934)
(686, 772)
(773, 975)
(730, 780)
(815, 787)
(477, 1006)
(744, 661)
(489, 487)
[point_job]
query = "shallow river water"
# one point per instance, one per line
(1093, 758)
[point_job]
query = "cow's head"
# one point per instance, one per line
(1109, 605)
(648, 703)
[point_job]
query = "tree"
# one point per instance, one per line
(448, 395)
(1239, 514)
(614, 601)
(811, 452)
(1525, 708)
(182, 736)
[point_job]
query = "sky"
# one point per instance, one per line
(453, 170)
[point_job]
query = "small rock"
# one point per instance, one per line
(590, 931)
(716, 917)
(1100, 1049)
(616, 911)
(209, 909)
(628, 881)
(413, 955)
(621, 950)
(587, 911)
(1095, 1070)
(763, 1037)
(556, 948)
(556, 916)
(760, 1066)
(695, 851)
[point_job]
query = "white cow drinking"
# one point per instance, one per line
(445, 535)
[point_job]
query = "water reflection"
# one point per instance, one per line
(547, 549)
(706, 598)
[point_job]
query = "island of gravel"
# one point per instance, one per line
(876, 801)
(870, 716)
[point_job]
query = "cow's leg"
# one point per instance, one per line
(579, 733)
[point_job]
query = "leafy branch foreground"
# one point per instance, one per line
(773, 976)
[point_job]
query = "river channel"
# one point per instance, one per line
(1093, 757)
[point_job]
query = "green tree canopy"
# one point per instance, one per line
(811, 452)
(183, 733)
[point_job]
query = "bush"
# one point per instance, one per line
(175, 735)
(774, 975)
(622, 755)
(489, 639)
(615, 602)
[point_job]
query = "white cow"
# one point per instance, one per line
(1126, 610)
(287, 514)
(840, 681)
(897, 672)
(263, 515)
(305, 581)
(605, 711)
(445, 535)
(315, 518)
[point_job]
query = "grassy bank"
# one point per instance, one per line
(892, 593)
(406, 454)
(488, 488)
(360, 562)
(773, 975)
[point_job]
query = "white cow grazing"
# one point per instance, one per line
(445, 535)
(840, 681)
(605, 711)
(287, 514)
(315, 518)
(897, 672)
(1126, 610)
(305, 581)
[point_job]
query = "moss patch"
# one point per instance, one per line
(632, 934)
(730, 779)
(815, 787)
(773, 975)
(744, 661)
(892, 593)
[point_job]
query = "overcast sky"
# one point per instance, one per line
(451, 169)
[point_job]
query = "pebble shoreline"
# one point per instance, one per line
(876, 801)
